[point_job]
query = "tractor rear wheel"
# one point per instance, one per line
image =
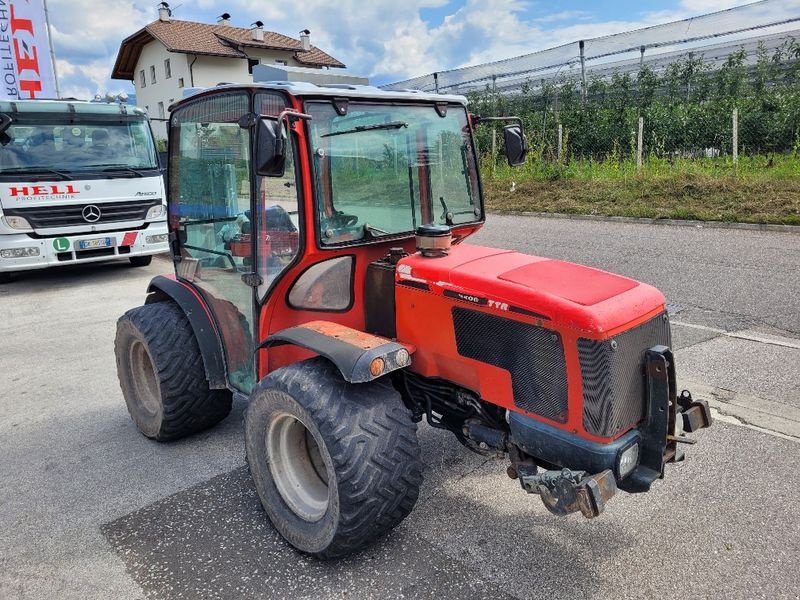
(336, 465)
(162, 376)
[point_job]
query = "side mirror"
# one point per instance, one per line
(516, 145)
(270, 159)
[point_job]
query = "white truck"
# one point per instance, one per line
(79, 182)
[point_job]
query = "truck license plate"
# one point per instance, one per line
(95, 243)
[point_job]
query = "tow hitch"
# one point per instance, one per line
(564, 492)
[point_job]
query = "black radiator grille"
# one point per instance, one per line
(613, 376)
(534, 356)
(43, 217)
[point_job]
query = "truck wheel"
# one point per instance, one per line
(336, 465)
(140, 261)
(162, 376)
(6, 277)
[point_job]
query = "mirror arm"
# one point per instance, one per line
(290, 115)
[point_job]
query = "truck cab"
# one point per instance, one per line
(79, 182)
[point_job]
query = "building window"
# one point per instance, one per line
(152, 74)
(251, 62)
(167, 69)
(285, 63)
(161, 114)
(142, 80)
(180, 82)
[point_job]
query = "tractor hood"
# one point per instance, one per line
(573, 296)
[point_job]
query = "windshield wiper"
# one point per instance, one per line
(371, 232)
(107, 168)
(37, 171)
(360, 128)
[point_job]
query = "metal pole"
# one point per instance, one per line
(436, 81)
(52, 52)
(560, 140)
(583, 72)
(494, 149)
(641, 57)
(735, 136)
(639, 146)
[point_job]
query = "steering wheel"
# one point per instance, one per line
(340, 221)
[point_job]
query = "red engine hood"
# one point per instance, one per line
(571, 295)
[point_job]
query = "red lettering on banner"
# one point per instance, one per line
(27, 56)
(24, 61)
(38, 190)
(20, 24)
(19, 191)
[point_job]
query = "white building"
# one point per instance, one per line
(168, 55)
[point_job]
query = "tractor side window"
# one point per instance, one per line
(278, 235)
(327, 285)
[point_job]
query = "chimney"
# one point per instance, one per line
(257, 31)
(164, 13)
(224, 19)
(305, 39)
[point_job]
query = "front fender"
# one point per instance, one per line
(354, 352)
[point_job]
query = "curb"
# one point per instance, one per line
(643, 221)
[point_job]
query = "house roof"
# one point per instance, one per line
(189, 37)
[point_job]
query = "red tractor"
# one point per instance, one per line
(322, 273)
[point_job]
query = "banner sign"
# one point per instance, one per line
(26, 66)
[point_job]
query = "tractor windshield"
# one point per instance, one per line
(383, 170)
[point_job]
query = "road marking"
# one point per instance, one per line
(767, 416)
(740, 335)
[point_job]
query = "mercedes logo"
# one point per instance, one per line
(91, 214)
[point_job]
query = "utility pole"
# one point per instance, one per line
(52, 52)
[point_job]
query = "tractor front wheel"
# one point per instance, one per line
(162, 376)
(336, 465)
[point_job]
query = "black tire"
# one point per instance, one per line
(6, 277)
(162, 376)
(367, 458)
(140, 261)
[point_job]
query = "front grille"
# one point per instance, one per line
(613, 376)
(534, 356)
(70, 215)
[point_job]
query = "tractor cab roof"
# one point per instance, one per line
(302, 89)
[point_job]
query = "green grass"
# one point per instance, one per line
(760, 189)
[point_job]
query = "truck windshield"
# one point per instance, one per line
(38, 144)
(386, 169)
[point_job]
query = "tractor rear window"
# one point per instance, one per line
(383, 170)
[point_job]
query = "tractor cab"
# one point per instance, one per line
(280, 196)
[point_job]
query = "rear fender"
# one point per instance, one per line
(354, 352)
(164, 289)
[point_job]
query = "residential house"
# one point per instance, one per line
(168, 55)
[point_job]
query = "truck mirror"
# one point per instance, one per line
(516, 145)
(270, 148)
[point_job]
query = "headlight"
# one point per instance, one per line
(17, 222)
(156, 239)
(155, 212)
(628, 460)
(19, 252)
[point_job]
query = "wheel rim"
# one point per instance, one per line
(297, 468)
(144, 377)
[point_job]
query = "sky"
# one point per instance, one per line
(385, 40)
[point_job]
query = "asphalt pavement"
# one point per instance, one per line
(91, 509)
